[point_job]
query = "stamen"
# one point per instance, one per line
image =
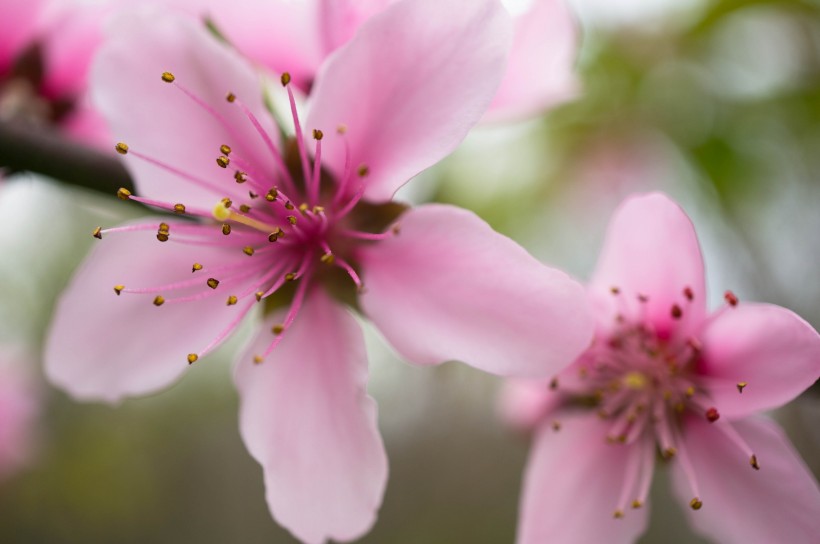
(677, 312)
(359, 235)
(629, 481)
(712, 415)
(118, 289)
(741, 386)
(729, 431)
(688, 293)
(730, 298)
(689, 472)
(159, 300)
(647, 470)
(97, 233)
(192, 358)
(213, 283)
(350, 272)
(121, 148)
(196, 267)
(313, 187)
(221, 213)
(297, 127)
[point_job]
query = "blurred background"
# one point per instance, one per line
(716, 103)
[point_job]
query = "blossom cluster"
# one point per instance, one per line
(269, 141)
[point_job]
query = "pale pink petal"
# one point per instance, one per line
(773, 350)
(104, 347)
(306, 417)
(340, 19)
(523, 404)
(409, 87)
(449, 287)
(540, 72)
(283, 35)
(651, 249)
(18, 26)
(572, 485)
(157, 119)
(778, 503)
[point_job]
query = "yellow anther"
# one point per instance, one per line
(636, 504)
(290, 276)
(162, 236)
(680, 407)
(741, 386)
(225, 149)
(276, 234)
(363, 170)
(257, 359)
(318, 134)
(164, 227)
(248, 250)
(690, 391)
(635, 380)
(196, 267)
(285, 79)
(223, 161)
(240, 177)
(318, 209)
(123, 193)
(97, 233)
(213, 283)
(327, 258)
(168, 77)
(118, 289)
(244, 208)
(221, 211)
(619, 514)
(288, 205)
(192, 358)
(341, 129)
(121, 148)
(292, 219)
(259, 295)
(226, 229)
(226, 202)
(232, 300)
(159, 300)
(179, 208)
(669, 453)
(230, 97)
(303, 208)
(271, 195)
(278, 329)
(696, 503)
(753, 462)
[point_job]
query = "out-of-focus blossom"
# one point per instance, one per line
(297, 227)
(540, 71)
(665, 377)
(19, 408)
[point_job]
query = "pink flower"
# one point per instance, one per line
(540, 72)
(19, 407)
(665, 377)
(305, 226)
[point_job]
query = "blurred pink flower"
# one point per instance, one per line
(19, 407)
(663, 376)
(540, 72)
(304, 225)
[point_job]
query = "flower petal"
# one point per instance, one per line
(778, 503)
(651, 249)
(409, 87)
(283, 35)
(769, 348)
(449, 287)
(18, 25)
(106, 347)
(159, 120)
(540, 73)
(340, 19)
(306, 417)
(572, 485)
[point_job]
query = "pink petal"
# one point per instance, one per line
(340, 19)
(157, 119)
(540, 73)
(572, 485)
(410, 86)
(18, 26)
(523, 404)
(778, 503)
(104, 347)
(651, 249)
(306, 417)
(283, 35)
(449, 287)
(770, 348)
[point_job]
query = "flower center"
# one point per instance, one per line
(300, 225)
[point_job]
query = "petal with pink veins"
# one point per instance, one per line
(105, 347)
(156, 119)
(540, 73)
(778, 503)
(449, 287)
(409, 86)
(771, 351)
(306, 417)
(572, 485)
(651, 250)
